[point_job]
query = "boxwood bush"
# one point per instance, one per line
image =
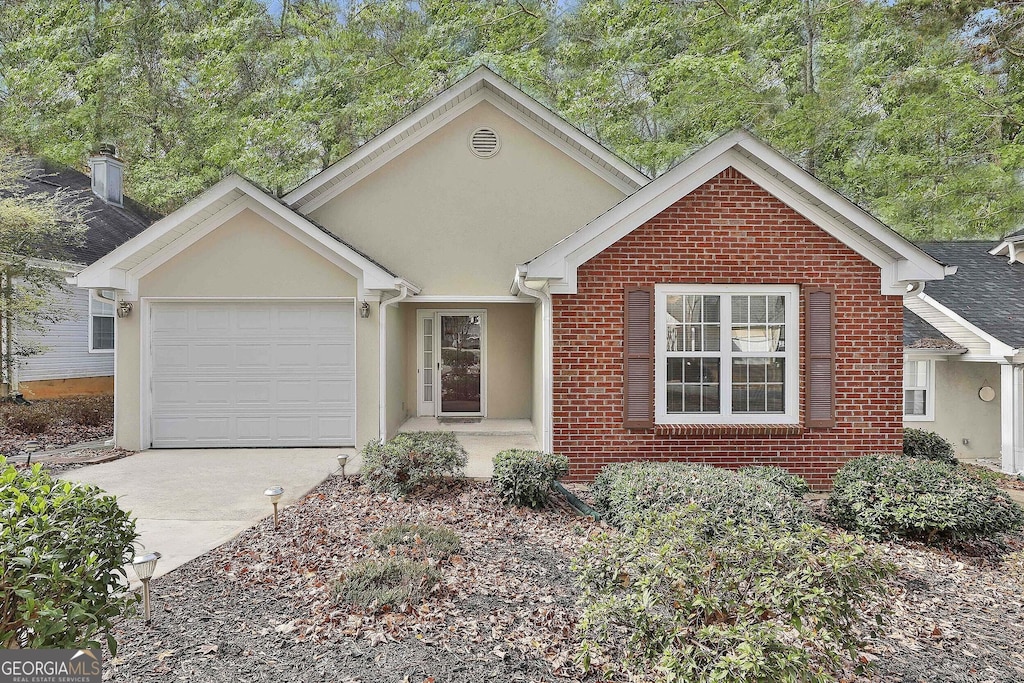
(63, 548)
(625, 492)
(893, 496)
(782, 478)
(918, 443)
(755, 603)
(411, 460)
(524, 477)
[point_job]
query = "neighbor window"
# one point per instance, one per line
(726, 354)
(101, 321)
(918, 378)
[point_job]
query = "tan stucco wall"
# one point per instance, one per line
(245, 257)
(509, 362)
(960, 414)
(456, 224)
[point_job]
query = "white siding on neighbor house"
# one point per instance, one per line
(958, 333)
(67, 343)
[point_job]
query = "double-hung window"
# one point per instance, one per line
(726, 354)
(101, 321)
(918, 397)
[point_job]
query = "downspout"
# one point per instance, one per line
(547, 346)
(403, 294)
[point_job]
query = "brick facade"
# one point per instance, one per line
(727, 231)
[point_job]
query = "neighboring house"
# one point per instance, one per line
(964, 351)
(79, 349)
(732, 311)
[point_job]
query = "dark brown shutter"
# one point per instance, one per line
(820, 356)
(638, 404)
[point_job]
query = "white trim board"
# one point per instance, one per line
(481, 85)
(900, 261)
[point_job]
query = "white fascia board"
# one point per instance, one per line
(932, 354)
(490, 81)
(998, 348)
(561, 261)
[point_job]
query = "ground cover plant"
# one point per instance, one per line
(524, 478)
(752, 602)
(393, 583)
(625, 492)
(919, 443)
(420, 540)
(892, 496)
(63, 548)
(411, 460)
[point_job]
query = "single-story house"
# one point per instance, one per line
(964, 351)
(77, 351)
(483, 260)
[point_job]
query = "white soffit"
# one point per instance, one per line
(481, 84)
(900, 260)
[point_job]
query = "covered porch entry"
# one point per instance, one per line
(470, 367)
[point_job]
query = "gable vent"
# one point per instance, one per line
(484, 142)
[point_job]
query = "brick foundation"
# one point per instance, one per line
(729, 231)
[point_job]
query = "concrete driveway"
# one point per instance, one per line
(186, 502)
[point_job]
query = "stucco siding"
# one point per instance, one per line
(509, 357)
(246, 257)
(457, 224)
(960, 414)
(67, 345)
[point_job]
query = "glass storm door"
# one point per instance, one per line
(460, 345)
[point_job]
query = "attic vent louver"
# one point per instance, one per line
(484, 142)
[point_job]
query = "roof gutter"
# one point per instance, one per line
(519, 286)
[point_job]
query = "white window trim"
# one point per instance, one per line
(94, 298)
(929, 392)
(792, 356)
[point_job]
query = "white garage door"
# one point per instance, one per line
(252, 374)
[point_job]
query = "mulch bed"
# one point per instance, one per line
(61, 430)
(260, 608)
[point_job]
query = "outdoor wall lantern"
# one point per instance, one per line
(342, 461)
(124, 309)
(364, 310)
(144, 566)
(274, 493)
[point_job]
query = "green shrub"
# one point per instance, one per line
(918, 443)
(525, 477)
(782, 478)
(411, 460)
(382, 585)
(421, 539)
(890, 496)
(63, 549)
(624, 492)
(755, 603)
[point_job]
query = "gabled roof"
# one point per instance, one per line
(987, 291)
(919, 335)
(481, 84)
(107, 225)
(901, 262)
(123, 267)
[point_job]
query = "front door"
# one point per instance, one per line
(451, 353)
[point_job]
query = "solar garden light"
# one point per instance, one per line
(144, 566)
(274, 493)
(30, 447)
(342, 461)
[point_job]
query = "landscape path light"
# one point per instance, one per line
(274, 493)
(144, 566)
(342, 461)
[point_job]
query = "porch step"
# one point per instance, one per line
(484, 427)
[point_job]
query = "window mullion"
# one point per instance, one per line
(725, 389)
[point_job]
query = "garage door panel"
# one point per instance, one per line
(252, 373)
